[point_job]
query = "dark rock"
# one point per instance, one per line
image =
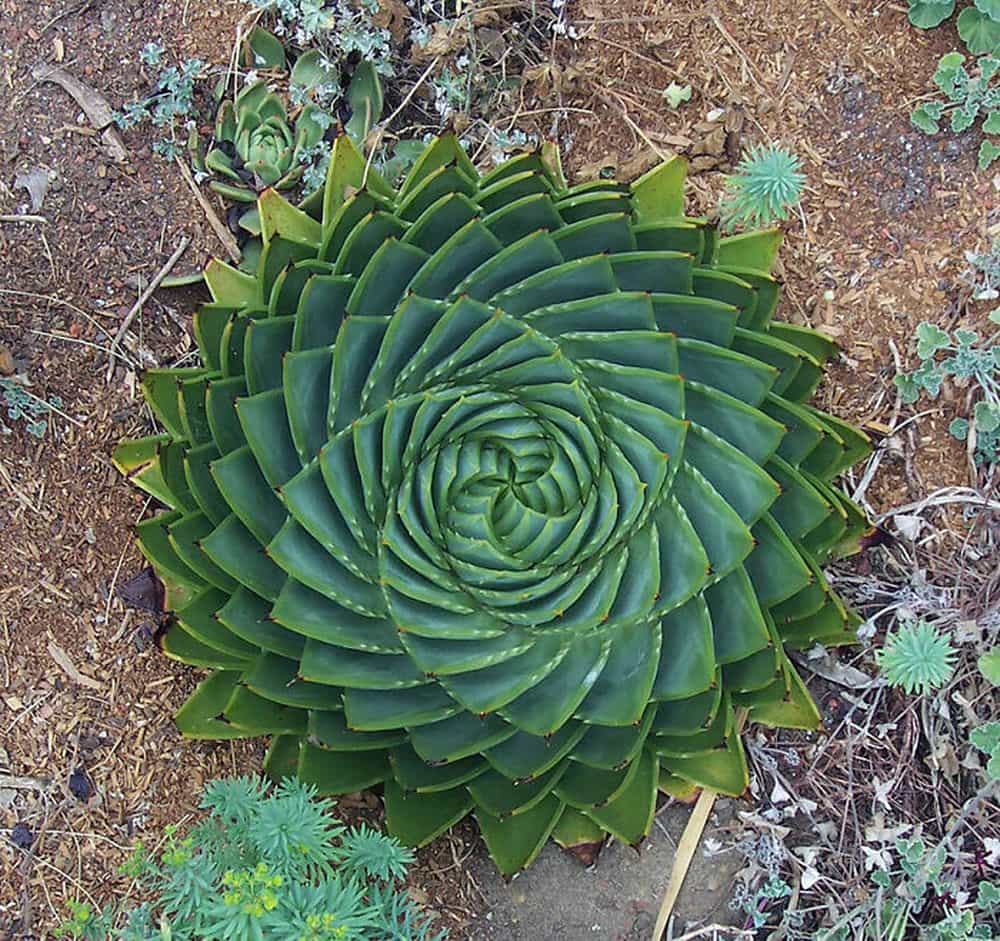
(21, 836)
(80, 786)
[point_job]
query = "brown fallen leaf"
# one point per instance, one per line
(444, 39)
(93, 103)
(65, 664)
(392, 15)
(6, 361)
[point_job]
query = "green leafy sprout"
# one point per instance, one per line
(978, 23)
(966, 98)
(967, 360)
(984, 273)
(986, 737)
(766, 186)
(917, 658)
(902, 892)
(25, 406)
(265, 862)
(171, 103)
(676, 94)
(918, 889)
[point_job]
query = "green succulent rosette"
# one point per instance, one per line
(263, 147)
(267, 148)
(502, 494)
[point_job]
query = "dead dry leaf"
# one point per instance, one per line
(94, 105)
(65, 664)
(392, 15)
(830, 668)
(444, 39)
(492, 42)
(878, 832)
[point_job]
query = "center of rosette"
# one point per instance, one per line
(513, 503)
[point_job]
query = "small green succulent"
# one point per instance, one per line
(766, 186)
(256, 146)
(917, 658)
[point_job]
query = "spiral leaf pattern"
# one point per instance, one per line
(500, 493)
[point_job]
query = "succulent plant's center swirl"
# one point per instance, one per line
(512, 503)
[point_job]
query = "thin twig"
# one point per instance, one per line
(380, 133)
(714, 930)
(876, 459)
(24, 218)
(409, 95)
(223, 234)
(635, 127)
(735, 46)
(94, 105)
(945, 495)
(143, 297)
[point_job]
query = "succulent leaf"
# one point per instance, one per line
(364, 94)
(263, 50)
(500, 492)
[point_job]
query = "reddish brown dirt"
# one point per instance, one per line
(884, 222)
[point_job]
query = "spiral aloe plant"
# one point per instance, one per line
(499, 493)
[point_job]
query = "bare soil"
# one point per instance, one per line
(883, 225)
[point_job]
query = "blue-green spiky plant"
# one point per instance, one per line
(917, 658)
(263, 863)
(766, 186)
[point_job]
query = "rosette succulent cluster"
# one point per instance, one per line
(256, 146)
(502, 494)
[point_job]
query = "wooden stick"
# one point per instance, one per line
(682, 860)
(93, 103)
(143, 297)
(23, 218)
(689, 843)
(224, 235)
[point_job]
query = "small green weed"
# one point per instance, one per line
(967, 361)
(23, 405)
(906, 893)
(984, 273)
(978, 23)
(336, 29)
(916, 886)
(986, 737)
(171, 103)
(966, 98)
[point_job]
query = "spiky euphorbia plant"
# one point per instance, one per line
(500, 493)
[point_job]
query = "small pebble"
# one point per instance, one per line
(80, 786)
(21, 836)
